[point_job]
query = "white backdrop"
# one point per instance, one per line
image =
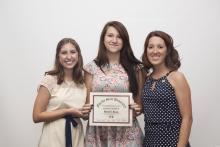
(31, 29)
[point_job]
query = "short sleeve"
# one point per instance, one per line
(91, 67)
(49, 82)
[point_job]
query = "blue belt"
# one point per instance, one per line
(69, 120)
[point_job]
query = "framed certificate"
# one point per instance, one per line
(110, 109)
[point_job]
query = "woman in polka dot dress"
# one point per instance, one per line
(166, 95)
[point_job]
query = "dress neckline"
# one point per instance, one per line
(69, 83)
(162, 77)
(113, 64)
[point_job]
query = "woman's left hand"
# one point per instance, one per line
(137, 110)
(86, 110)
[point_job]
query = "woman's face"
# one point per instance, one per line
(156, 51)
(68, 56)
(113, 41)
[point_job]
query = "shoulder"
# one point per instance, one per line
(92, 63)
(139, 67)
(176, 78)
(90, 67)
(177, 75)
(49, 80)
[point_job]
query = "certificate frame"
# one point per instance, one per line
(111, 109)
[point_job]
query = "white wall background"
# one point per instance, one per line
(31, 29)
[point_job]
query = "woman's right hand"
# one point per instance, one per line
(75, 112)
(86, 110)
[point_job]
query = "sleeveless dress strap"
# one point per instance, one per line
(169, 73)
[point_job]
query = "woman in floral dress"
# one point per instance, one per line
(115, 69)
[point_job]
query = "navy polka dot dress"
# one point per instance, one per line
(161, 113)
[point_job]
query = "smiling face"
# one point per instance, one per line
(156, 51)
(68, 56)
(113, 41)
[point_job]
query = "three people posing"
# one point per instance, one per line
(163, 94)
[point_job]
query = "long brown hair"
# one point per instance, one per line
(58, 70)
(127, 58)
(172, 60)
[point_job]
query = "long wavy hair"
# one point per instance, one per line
(58, 69)
(127, 58)
(172, 60)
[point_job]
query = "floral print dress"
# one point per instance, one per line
(115, 79)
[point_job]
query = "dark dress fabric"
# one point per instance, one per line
(161, 113)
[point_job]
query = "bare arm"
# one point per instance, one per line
(137, 106)
(183, 96)
(87, 107)
(39, 111)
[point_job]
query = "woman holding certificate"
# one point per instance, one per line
(115, 69)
